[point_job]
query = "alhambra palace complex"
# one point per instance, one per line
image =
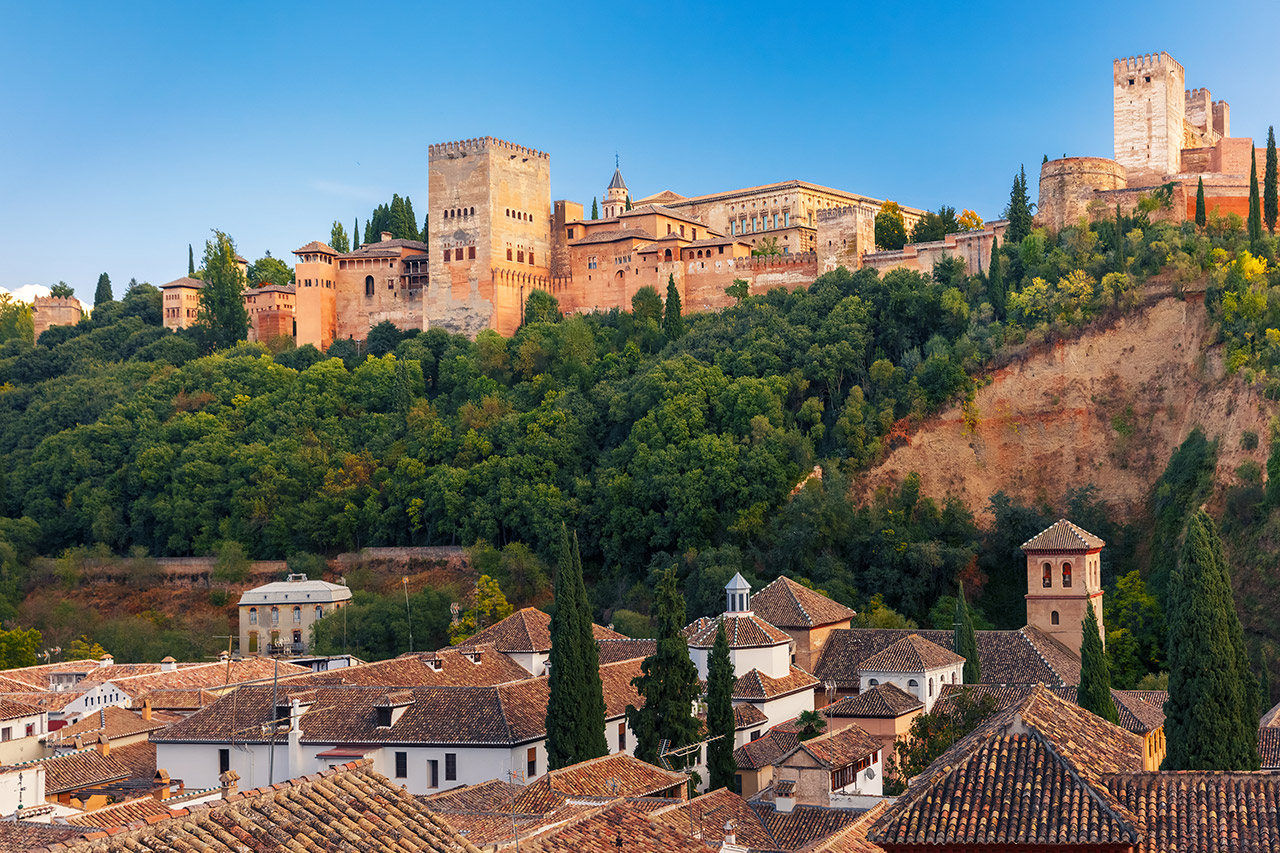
(495, 235)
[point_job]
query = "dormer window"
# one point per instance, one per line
(384, 717)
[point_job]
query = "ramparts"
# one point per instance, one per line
(1069, 184)
(972, 247)
(479, 144)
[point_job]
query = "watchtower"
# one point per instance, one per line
(1063, 576)
(1149, 113)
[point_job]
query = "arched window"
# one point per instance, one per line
(275, 615)
(872, 682)
(253, 616)
(1066, 574)
(1053, 618)
(319, 612)
(1047, 580)
(368, 285)
(297, 614)
(666, 256)
(930, 686)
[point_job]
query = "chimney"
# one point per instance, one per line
(103, 745)
(784, 799)
(230, 782)
(385, 236)
(146, 710)
(106, 660)
(730, 836)
(168, 664)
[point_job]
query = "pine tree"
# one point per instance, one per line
(426, 227)
(668, 682)
(595, 208)
(720, 764)
(1019, 210)
(191, 261)
(102, 295)
(996, 293)
(1201, 217)
(672, 322)
(966, 642)
(1270, 204)
(338, 238)
(1211, 717)
(575, 711)
(1094, 691)
(222, 318)
(1255, 206)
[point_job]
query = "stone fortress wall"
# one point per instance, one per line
(49, 311)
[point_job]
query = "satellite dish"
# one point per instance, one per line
(871, 773)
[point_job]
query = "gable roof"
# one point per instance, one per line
(765, 751)
(122, 813)
(11, 710)
(630, 648)
(452, 666)
(613, 236)
(839, 748)
(788, 604)
(19, 836)
(803, 825)
(601, 830)
(1139, 713)
(316, 246)
(619, 775)
(884, 701)
(912, 653)
(111, 721)
(755, 686)
(76, 770)
(743, 630)
(1203, 810)
(185, 281)
(526, 630)
(1062, 535)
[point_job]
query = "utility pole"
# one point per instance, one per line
(407, 614)
(271, 750)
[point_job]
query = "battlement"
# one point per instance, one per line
(469, 146)
(760, 262)
(56, 302)
(832, 214)
(1195, 94)
(1152, 63)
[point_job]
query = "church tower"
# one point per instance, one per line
(615, 197)
(1063, 575)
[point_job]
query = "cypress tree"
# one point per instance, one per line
(575, 710)
(628, 201)
(103, 294)
(1019, 210)
(398, 221)
(411, 221)
(355, 234)
(1211, 717)
(595, 208)
(1255, 206)
(191, 261)
(668, 682)
(720, 764)
(1201, 218)
(1094, 691)
(1270, 204)
(966, 642)
(996, 293)
(672, 322)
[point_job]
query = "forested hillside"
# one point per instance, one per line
(660, 440)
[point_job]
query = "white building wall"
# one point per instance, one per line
(784, 707)
(96, 698)
(21, 788)
(953, 674)
(773, 661)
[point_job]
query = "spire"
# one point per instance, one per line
(617, 183)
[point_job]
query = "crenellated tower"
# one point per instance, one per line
(1149, 114)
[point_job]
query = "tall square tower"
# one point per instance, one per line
(1149, 113)
(1064, 574)
(489, 232)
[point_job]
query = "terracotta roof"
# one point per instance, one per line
(316, 246)
(884, 701)
(613, 236)
(839, 748)
(1203, 810)
(182, 699)
(1269, 747)
(803, 825)
(600, 831)
(765, 751)
(526, 630)
(788, 604)
(76, 770)
(123, 813)
(746, 715)
(48, 700)
(744, 630)
(493, 812)
(185, 281)
(381, 248)
(454, 666)
(112, 721)
(11, 710)
(661, 210)
(1062, 535)
(350, 808)
(755, 685)
(1271, 717)
(710, 812)
(19, 836)
(270, 288)
(612, 651)
(634, 778)
(853, 838)
(139, 759)
(1025, 656)
(912, 653)
(191, 676)
(1137, 714)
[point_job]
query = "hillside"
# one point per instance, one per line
(1107, 407)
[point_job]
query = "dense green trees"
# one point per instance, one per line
(1094, 691)
(1212, 713)
(966, 642)
(338, 240)
(1018, 211)
(891, 232)
(397, 217)
(668, 683)
(575, 711)
(935, 226)
(62, 290)
(222, 317)
(721, 768)
(269, 270)
(16, 323)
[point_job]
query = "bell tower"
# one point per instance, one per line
(615, 197)
(1063, 575)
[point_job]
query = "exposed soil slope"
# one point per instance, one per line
(1107, 408)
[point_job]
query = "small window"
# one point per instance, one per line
(275, 611)
(402, 765)
(224, 760)
(450, 766)
(622, 737)
(433, 773)
(570, 233)
(755, 735)
(31, 729)
(531, 763)
(471, 253)
(520, 256)
(383, 717)
(913, 683)
(930, 686)
(368, 280)
(1053, 618)
(319, 612)
(253, 616)
(446, 255)
(872, 682)
(297, 615)
(508, 254)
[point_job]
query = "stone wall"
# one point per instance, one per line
(1149, 100)
(49, 311)
(315, 279)
(704, 286)
(271, 312)
(358, 310)
(1068, 185)
(972, 247)
(845, 234)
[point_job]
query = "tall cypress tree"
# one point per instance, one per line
(412, 221)
(575, 710)
(1255, 205)
(595, 208)
(966, 642)
(720, 764)
(1094, 691)
(1019, 210)
(191, 261)
(628, 201)
(668, 682)
(1211, 717)
(1270, 204)
(103, 293)
(1201, 217)
(355, 234)
(672, 322)
(996, 293)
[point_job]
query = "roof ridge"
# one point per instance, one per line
(1108, 802)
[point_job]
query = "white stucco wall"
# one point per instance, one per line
(953, 674)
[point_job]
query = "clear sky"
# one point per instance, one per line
(131, 129)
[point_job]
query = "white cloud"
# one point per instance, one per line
(27, 292)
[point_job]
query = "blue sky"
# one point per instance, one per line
(132, 129)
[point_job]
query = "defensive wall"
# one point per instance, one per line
(49, 311)
(971, 247)
(704, 286)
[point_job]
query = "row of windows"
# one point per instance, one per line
(433, 767)
(761, 223)
(275, 640)
(519, 214)
(457, 254)
(275, 614)
(915, 685)
(367, 263)
(315, 259)
(520, 253)
(6, 734)
(1046, 578)
(459, 212)
(689, 255)
(848, 775)
(326, 283)
(177, 312)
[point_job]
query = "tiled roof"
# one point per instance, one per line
(184, 699)
(743, 630)
(757, 686)
(616, 182)
(348, 808)
(884, 701)
(765, 751)
(526, 630)
(190, 677)
(1137, 712)
(83, 769)
(912, 653)
(1271, 717)
(122, 814)
(316, 246)
(271, 288)
(787, 604)
(11, 710)
(1269, 747)
(710, 812)
(803, 825)
(1203, 811)
(853, 838)
(1025, 656)
(19, 836)
(48, 700)
(839, 748)
(112, 721)
(379, 248)
(139, 759)
(185, 281)
(612, 651)
(493, 812)
(600, 831)
(455, 667)
(1062, 535)
(746, 715)
(661, 210)
(633, 778)
(613, 236)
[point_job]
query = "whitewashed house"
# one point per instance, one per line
(915, 665)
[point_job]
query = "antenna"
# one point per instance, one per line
(513, 776)
(407, 614)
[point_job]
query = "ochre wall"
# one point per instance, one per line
(49, 311)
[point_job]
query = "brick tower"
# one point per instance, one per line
(490, 237)
(1149, 112)
(315, 283)
(1063, 575)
